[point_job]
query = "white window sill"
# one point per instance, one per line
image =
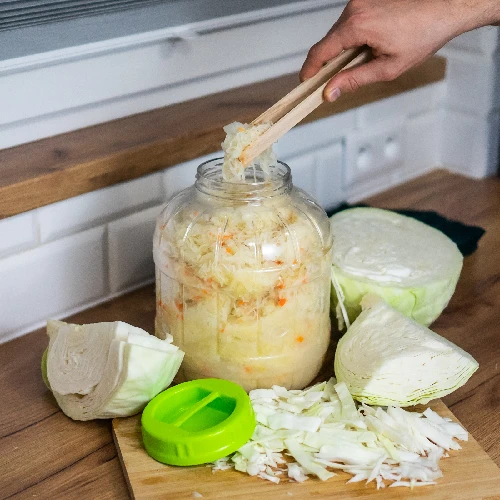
(64, 89)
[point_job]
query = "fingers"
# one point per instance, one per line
(326, 49)
(380, 69)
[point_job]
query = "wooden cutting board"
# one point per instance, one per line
(468, 474)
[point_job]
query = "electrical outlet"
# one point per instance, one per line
(373, 152)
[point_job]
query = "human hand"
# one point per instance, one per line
(401, 33)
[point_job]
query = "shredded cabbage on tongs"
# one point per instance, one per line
(239, 136)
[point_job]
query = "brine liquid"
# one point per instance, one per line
(255, 343)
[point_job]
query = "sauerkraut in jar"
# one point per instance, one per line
(243, 278)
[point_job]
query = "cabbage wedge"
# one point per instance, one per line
(387, 359)
(106, 370)
(411, 265)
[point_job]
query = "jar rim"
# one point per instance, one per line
(209, 181)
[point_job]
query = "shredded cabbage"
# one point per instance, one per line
(239, 136)
(411, 265)
(106, 370)
(244, 290)
(386, 358)
(390, 447)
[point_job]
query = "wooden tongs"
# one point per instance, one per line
(301, 101)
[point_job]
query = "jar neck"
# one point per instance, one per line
(256, 185)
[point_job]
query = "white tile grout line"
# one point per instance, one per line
(103, 220)
(105, 245)
(37, 231)
(77, 309)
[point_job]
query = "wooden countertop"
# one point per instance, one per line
(43, 172)
(43, 454)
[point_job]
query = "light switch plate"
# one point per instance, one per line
(371, 152)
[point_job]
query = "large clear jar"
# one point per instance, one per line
(243, 278)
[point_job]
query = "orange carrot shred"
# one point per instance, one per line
(282, 302)
(300, 338)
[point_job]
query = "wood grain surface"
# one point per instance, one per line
(467, 474)
(43, 172)
(43, 454)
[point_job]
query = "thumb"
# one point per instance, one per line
(349, 80)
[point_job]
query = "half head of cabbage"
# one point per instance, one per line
(412, 266)
(387, 359)
(106, 370)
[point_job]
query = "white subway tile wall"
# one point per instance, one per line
(130, 241)
(470, 121)
(319, 173)
(304, 172)
(181, 176)
(410, 103)
(484, 41)
(421, 140)
(18, 233)
(97, 207)
(474, 84)
(329, 167)
(51, 279)
(470, 143)
(311, 135)
(67, 256)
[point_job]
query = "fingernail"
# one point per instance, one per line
(334, 94)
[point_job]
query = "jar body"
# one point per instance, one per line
(243, 284)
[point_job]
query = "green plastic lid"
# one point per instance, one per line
(197, 422)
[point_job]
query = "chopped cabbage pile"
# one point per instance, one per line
(386, 358)
(239, 136)
(106, 370)
(411, 265)
(322, 431)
